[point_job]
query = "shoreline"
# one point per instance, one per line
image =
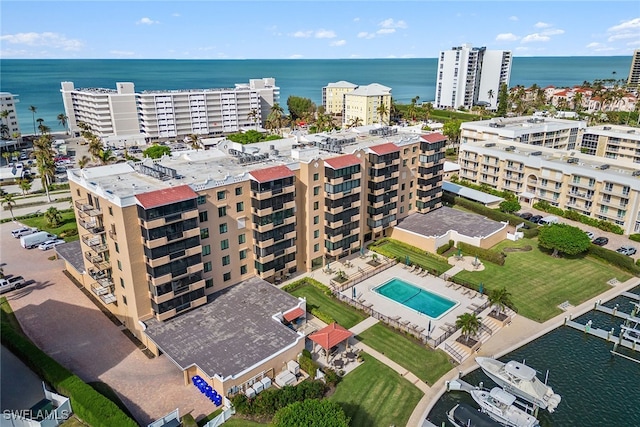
(429, 400)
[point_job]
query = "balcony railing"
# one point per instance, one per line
(105, 293)
(92, 227)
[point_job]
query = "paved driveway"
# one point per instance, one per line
(64, 323)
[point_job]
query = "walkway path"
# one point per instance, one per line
(364, 325)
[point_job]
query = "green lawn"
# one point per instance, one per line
(375, 395)
(538, 283)
(398, 250)
(342, 313)
(239, 422)
(68, 223)
(425, 363)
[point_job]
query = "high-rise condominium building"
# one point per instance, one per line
(170, 113)
(333, 96)
(613, 142)
(8, 103)
(634, 70)
(367, 105)
(469, 76)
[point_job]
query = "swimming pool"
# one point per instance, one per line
(415, 298)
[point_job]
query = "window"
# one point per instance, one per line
(206, 250)
(402, 198)
(404, 162)
(221, 195)
(240, 206)
(243, 269)
(226, 277)
(223, 228)
(243, 254)
(207, 266)
(316, 219)
(415, 148)
(238, 191)
(203, 216)
(117, 247)
(78, 192)
(401, 209)
(316, 234)
(410, 184)
(402, 186)
(242, 239)
(316, 205)
(413, 160)
(222, 211)
(202, 200)
(124, 300)
(204, 233)
(316, 190)
(410, 195)
(224, 244)
(316, 176)
(226, 260)
(121, 282)
(119, 265)
(110, 211)
(208, 283)
(316, 247)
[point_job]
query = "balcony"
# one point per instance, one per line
(87, 209)
(95, 243)
(516, 168)
(104, 290)
(170, 313)
(162, 241)
(265, 195)
(587, 196)
(153, 263)
(271, 209)
(170, 295)
(583, 184)
(92, 227)
(156, 281)
(97, 260)
(159, 222)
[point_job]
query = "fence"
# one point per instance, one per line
(362, 274)
(455, 354)
(221, 418)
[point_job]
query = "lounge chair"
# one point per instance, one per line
(419, 271)
(466, 292)
(449, 284)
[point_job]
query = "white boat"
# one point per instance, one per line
(631, 329)
(499, 405)
(521, 381)
(463, 415)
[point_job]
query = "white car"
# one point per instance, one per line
(50, 244)
(590, 235)
(23, 231)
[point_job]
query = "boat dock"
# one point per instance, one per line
(613, 312)
(631, 295)
(608, 336)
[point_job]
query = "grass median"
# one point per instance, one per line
(342, 313)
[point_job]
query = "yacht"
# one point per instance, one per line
(499, 405)
(631, 327)
(521, 381)
(463, 415)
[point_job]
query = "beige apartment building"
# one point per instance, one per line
(364, 102)
(8, 103)
(596, 187)
(620, 143)
(333, 96)
(539, 131)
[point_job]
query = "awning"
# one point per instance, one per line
(527, 195)
(294, 314)
(330, 336)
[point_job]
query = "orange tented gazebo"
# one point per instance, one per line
(330, 336)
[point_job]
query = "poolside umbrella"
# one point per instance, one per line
(407, 261)
(476, 261)
(362, 250)
(354, 292)
(429, 329)
(481, 288)
(459, 252)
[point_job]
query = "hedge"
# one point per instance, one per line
(378, 246)
(322, 316)
(88, 405)
(634, 237)
(530, 233)
(293, 286)
(484, 254)
(444, 248)
(493, 214)
(622, 261)
(575, 216)
(308, 365)
(267, 403)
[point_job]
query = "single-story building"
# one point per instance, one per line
(429, 231)
(489, 200)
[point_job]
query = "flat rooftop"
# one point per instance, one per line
(470, 193)
(72, 253)
(232, 332)
(442, 220)
(513, 126)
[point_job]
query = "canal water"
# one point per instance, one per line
(597, 388)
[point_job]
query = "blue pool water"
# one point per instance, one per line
(415, 298)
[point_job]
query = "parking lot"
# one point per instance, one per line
(67, 325)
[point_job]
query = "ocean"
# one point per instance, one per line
(37, 82)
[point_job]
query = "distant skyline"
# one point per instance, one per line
(312, 29)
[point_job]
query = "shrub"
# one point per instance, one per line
(270, 401)
(188, 421)
(308, 365)
(530, 233)
(322, 316)
(635, 237)
(484, 254)
(622, 261)
(331, 377)
(304, 282)
(444, 248)
(575, 216)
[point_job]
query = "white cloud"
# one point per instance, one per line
(296, 56)
(535, 37)
(46, 39)
(599, 47)
(386, 31)
(325, 34)
(122, 52)
(390, 23)
(506, 37)
(622, 36)
(513, 18)
(634, 43)
(552, 32)
(365, 35)
(594, 45)
(356, 19)
(147, 21)
(632, 24)
(522, 49)
(303, 34)
(176, 15)
(542, 25)
(338, 43)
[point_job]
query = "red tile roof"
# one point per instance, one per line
(330, 336)
(153, 199)
(342, 161)
(294, 314)
(387, 148)
(271, 174)
(433, 137)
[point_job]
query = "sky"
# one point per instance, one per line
(313, 29)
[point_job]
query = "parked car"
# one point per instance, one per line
(548, 220)
(50, 244)
(626, 250)
(600, 241)
(15, 282)
(535, 218)
(526, 215)
(590, 235)
(23, 231)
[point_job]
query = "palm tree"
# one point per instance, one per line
(383, 112)
(194, 139)
(275, 117)
(106, 157)
(44, 129)
(4, 131)
(62, 119)
(355, 122)
(577, 102)
(469, 324)
(33, 110)
(4, 114)
(6, 156)
(82, 163)
(9, 202)
(53, 217)
(25, 185)
(253, 116)
(490, 95)
(428, 109)
(500, 299)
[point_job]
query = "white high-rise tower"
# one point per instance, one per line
(469, 76)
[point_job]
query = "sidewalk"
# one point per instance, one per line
(40, 204)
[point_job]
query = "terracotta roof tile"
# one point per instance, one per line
(331, 335)
(271, 174)
(342, 161)
(434, 137)
(165, 196)
(387, 148)
(293, 314)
